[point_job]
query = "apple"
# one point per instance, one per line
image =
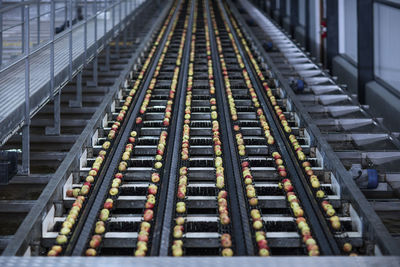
(320, 194)
(145, 226)
(226, 243)
(152, 189)
(180, 207)
(310, 241)
(263, 252)
(108, 205)
(104, 213)
(57, 249)
(52, 253)
(347, 247)
(94, 243)
(315, 184)
(69, 193)
(313, 253)
(90, 252)
(177, 252)
(158, 165)
(227, 252)
(155, 177)
(298, 212)
(222, 194)
(75, 192)
(61, 239)
(148, 215)
(225, 219)
(113, 191)
(253, 201)
(65, 231)
(180, 220)
(335, 225)
(97, 237)
(99, 229)
(257, 225)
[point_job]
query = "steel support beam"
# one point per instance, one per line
(272, 8)
(38, 20)
(1, 34)
(56, 128)
(307, 37)
(77, 103)
(27, 122)
(294, 16)
(332, 25)
(282, 11)
(365, 45)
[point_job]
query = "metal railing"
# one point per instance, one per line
(62, 32)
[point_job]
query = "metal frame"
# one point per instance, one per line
(332, 41)
(365, 46)
(200, 261)
(29, 230)
(294, 15)
(379, 80)
(373, 226)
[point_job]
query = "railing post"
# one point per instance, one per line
(56, 128)
(1, 34)
(106, 46)
(52, 33)
(85, 30)
(126, 26)
(38, 20)
(26, 127)
(70, 40)
(95, 59)
(22, 29)
(77, 103)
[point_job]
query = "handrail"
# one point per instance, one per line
(42, 46)
(33, 18)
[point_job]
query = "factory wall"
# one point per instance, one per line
(382, 92)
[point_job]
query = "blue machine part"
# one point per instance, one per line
(270, 45)
(372, 178)
(300, 85)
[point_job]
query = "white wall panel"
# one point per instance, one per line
(387, 44)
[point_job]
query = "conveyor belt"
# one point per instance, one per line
(202, 157)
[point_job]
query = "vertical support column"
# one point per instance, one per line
(52, 33)
(1, 34)
(70, 40)
(308, 25)
(365, 37)
(38, 20)
(77, 103)
(119, 28)
(107, 65)
(23, 28)
(294, 16)
(95, 59)
(85, 32)
(332, 34)
(107, 46)
(27, 122)
(55, 130)
(272, 8)
(125, 36)
(282, 11)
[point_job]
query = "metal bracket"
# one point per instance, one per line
(77, 103)
(56, 129)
